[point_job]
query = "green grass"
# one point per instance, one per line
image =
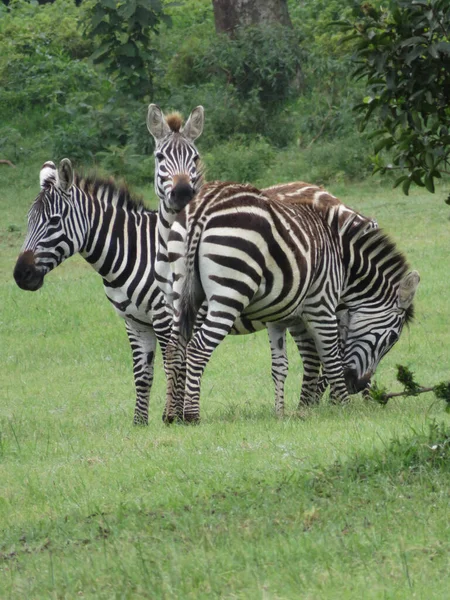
(346, 503)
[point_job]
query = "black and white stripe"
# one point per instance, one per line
(286, 266)
(117, 236)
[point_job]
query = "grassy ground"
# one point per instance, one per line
(243, 506)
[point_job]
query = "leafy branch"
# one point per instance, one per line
(410, 388)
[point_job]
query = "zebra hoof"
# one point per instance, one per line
(191, 419)
(140, 421)
(168, 419)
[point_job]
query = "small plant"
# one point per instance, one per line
(410, 388)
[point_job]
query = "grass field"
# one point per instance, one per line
(349, 502)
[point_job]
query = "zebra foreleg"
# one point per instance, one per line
(311, 391)
(143, 345)
(325, 335)
(277, 339)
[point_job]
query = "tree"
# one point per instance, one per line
(124, 30)
(403, 53)
(258, 49)
(231, 14)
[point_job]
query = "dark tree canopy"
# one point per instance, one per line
(403, 53)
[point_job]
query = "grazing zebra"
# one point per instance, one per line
(342, 217)
(117, 236)
(285, 265)
(177, 178)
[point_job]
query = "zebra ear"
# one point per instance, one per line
(194, 125)
(156, 123)
(48, 173)
(65, 174)
(407, 289)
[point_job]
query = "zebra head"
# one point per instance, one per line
(178, 175)
(367, 335)
(52, 236)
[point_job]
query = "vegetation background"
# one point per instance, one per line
(347, 503)
(57, 97)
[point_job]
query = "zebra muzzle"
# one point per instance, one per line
(26, 275)
(181, 194)
(354, 383)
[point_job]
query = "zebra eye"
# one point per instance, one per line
(159, 156)
(54, 220)
(196, 158)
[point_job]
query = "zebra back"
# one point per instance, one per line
(328, 206)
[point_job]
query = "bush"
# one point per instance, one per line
(239, 160)
(266, 59)
(342, 159)
(42, 46)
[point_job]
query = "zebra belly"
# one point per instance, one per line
(126, 308)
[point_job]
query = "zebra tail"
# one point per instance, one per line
(192, 293)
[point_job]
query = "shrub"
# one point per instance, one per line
(266, 59)
(239, 160)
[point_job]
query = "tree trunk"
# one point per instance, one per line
(229, 14)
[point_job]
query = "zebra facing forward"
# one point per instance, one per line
(177, 178)
(116, 235)
(286, 266)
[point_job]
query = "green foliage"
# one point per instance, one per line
(403, 53)
(265, 59)
(442, 391)
(11, 143)
(125, 31)
(41, 56)
(126, 161)
(238, 160)
(410, 388)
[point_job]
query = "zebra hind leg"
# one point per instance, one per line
(277, 339)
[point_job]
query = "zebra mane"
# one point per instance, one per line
(109, 190)
(174, 121)
(363, 241)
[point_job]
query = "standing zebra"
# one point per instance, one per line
(116, 235)
(177, 178)
(282, 264)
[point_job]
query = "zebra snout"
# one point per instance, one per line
(354, 383)
(181, 194)
(26, 274)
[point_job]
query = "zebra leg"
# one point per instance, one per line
(277, 339)
(311, 392)
(143, 345)
(175, 369)
(325, 335)
(162, 326)
(216, 326)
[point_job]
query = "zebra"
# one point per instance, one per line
(116, 234)
(285, 265)
(337, 214)
(178, 175)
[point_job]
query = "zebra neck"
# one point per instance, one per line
(120, 237)
(373, 269)
(166, 218)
